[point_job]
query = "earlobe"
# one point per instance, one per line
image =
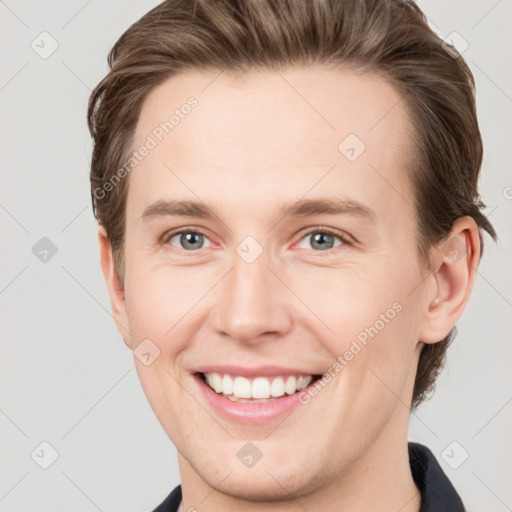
(456, 260)
(114, 286)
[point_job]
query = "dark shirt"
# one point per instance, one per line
(437, 492)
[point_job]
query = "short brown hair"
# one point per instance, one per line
(390, 37)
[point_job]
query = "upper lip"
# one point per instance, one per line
(255, 371)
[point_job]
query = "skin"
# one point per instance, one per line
(253, 145)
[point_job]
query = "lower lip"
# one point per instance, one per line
(246, 412)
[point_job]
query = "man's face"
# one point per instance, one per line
(258, 293)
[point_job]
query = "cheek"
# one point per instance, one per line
(381, 361)
(369, 320)
(159, 300)
(352, 302)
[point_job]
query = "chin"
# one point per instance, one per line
(259, 483)
(261, 489)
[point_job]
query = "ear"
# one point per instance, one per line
(114, 286)
(456, 259)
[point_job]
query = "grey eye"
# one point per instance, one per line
(321, 241)
(188, 240)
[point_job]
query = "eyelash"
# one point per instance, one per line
(317, 229)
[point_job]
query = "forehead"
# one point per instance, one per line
(272, 132)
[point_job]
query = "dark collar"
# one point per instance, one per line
(437, 493)
(172, 502)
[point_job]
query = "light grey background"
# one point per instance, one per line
(66, 376)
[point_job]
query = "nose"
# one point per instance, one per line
(252, 303)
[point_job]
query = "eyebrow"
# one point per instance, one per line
(301, 208)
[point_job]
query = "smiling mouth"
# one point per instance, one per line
(258, 389)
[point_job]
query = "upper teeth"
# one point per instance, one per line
(260, 387)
